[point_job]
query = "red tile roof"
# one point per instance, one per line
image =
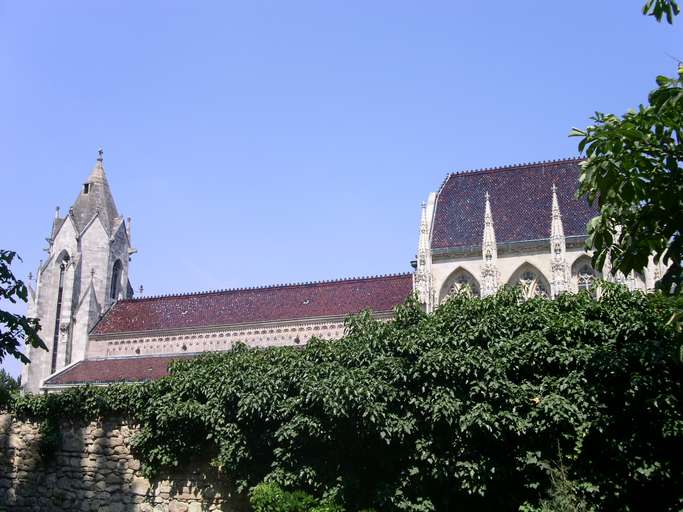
(521, 198)
(127, 369)
(272, 303)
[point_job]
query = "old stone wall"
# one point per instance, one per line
(93, 469)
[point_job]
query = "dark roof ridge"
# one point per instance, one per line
(267, 287)
(498, 168)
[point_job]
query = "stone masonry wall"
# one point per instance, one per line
(93, 470)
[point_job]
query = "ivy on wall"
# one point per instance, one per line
(471, 407)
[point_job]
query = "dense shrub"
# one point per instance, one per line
(468, 408)
(269, 497)
(8, 387)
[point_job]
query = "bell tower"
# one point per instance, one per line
(86, 270)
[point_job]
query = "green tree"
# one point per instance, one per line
(8, 387)
(662, 9)
(485, 404)
(15, 329)
(633, 171)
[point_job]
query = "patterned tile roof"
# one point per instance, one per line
(251, 305)
(104, 371)
(521, 197)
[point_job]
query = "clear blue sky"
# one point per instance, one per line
(265, 142)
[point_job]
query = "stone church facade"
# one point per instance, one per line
(518, 225)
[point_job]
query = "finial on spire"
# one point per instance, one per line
(57, 212)
(100, 155)
(92, 273)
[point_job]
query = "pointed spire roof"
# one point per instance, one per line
(489, 238)
(556, 229)
(94, 199)
(424, 229)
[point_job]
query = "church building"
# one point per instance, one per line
(519, 225)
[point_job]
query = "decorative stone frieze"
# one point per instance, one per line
(215, 340)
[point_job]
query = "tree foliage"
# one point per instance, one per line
(633, 171)
(8, 386)
(270, 497)
(15, 329)
(466, 408)
(662, 9)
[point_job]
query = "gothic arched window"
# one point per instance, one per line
(585, 277)
(115, 279)
(460, 281)
(531, 282)
(584, 273)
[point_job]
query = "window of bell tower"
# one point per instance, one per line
(64, 263)
(115, 278)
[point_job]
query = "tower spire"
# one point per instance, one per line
(489, 248)
(95, 198)
(423, 275)
(489, 252)
(558, 248)
(557, 231)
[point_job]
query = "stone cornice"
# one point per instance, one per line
(503, 247)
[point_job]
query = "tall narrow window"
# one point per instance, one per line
(115, 278)
(58, 312)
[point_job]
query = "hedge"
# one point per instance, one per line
(477, 406)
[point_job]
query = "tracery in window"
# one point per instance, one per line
(531, 282)
(584, 274)
(585, 277)
(460, 281)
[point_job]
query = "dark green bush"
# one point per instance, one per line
(272, 498)
(9, 387)
(466, 408)
(269, 497)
